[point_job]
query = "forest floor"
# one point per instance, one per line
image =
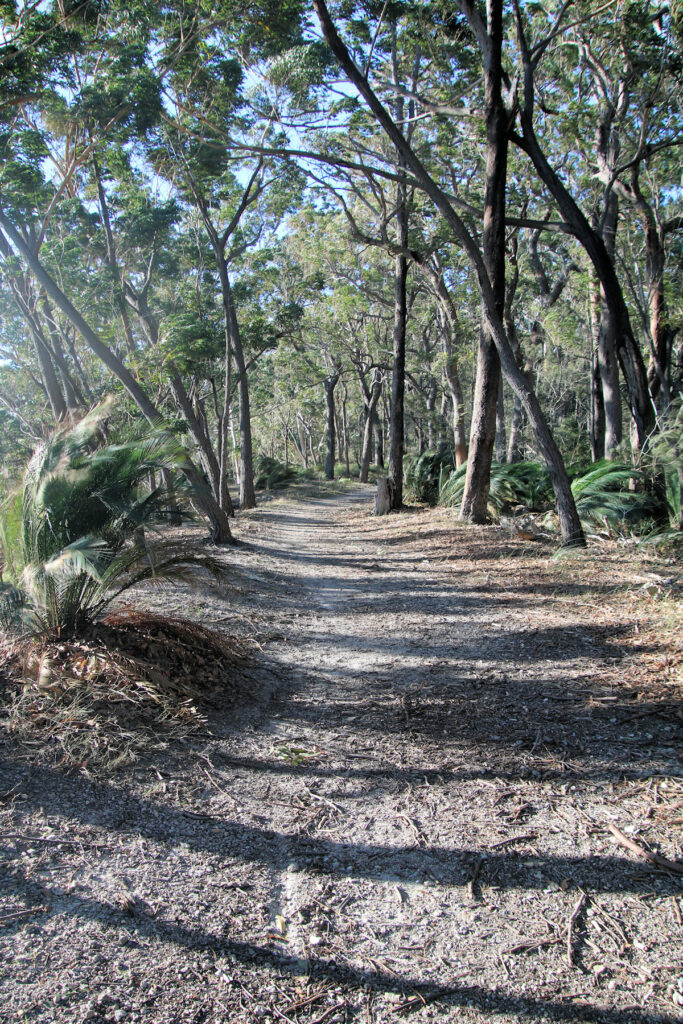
(414, 802)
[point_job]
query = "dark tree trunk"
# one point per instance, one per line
(378, 430)
(608, 363)
(330, 384)
(488, 379)
(370, 419)
(597, 412)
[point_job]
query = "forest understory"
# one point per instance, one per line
(442, 780)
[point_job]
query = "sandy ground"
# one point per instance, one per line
(418, 808)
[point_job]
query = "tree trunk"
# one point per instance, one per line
(220, 526)
(628, 352)
(398, 379)
(607, 342)
(572, 533)
(488, 380)
(370, 418)
(378, 430)
(345, 431)
(247, 493)
(455, 387)
(330, 384)
(597, 412)
(501, 446)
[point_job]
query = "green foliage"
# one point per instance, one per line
(81, 540)
(422, 474)
(602, 496)
(270, 474)
(452, 487)
(512, 484)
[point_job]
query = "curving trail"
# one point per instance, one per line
(403, 816)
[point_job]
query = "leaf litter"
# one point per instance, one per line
(448, 789)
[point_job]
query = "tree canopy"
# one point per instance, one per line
(336, 234)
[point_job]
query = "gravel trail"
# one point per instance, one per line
(406, 816)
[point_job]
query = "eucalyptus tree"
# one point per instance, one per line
(67, 118)
(571, 527)
(617, 116)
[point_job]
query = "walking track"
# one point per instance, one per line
(406, 816)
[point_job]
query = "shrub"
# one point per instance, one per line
(602, 496)
(272, 474)
(512, 484)
(89, 527)
(422, 474)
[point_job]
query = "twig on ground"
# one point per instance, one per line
(330, 803)
(301, 1003)
(419, 836)
(570, 928)
(41, 839)
(653, 858)
(22, 913)
(328, 1013)
(220, 789)
(514, 839)
(531, 944)
(281, 1014)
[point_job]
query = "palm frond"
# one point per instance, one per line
(86, 514)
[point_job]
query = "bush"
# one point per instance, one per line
(602, 496)
(271, 474)
(85, 509)
(422, 474)
(513, 484)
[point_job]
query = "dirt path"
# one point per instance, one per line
(408, 814)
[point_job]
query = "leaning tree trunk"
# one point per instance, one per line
(198, 432)
(608, 363)
(220, 526)
(572, 533)
(627, 350)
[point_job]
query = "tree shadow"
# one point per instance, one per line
(104, 806)
(140, 924)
